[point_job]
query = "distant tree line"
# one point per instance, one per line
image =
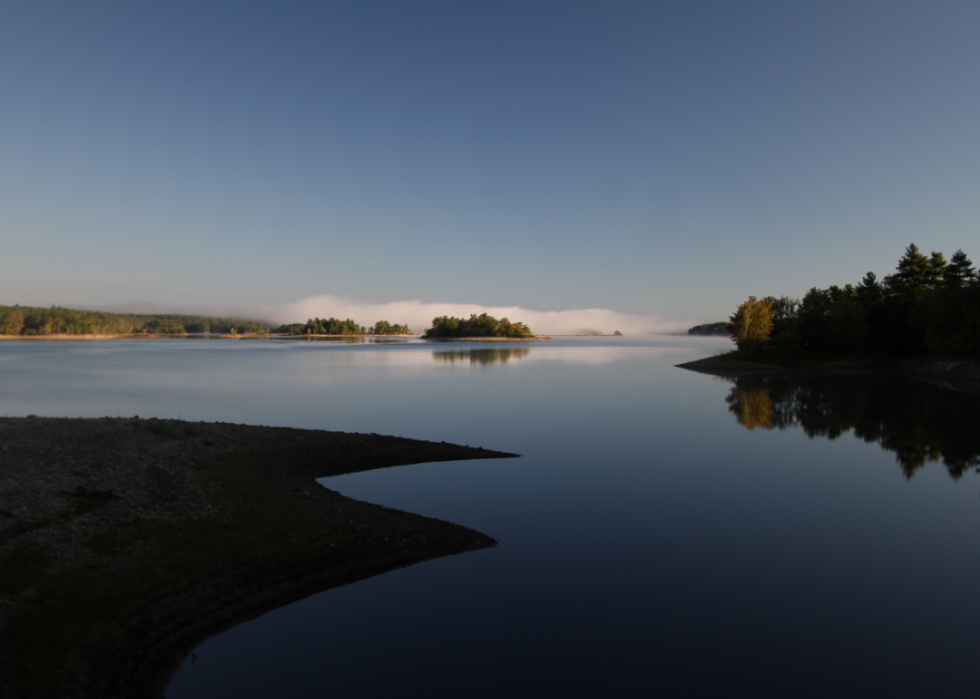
(709, 329)
(335, 326)
(26, 320)
(383, 327)
(927, 305)
(481, 325)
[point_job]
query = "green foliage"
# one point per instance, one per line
(927, 305)
(383, 327)
(709, 329)
(334, 326)
(959, 272)
(476, 326)
(913, 274)
(832, 320)
(29, 321)
(164, 327)
(935, 270)
(784, 312)
(249, 327)
(328, 326)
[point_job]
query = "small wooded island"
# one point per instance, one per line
(481, 327)
(335, 327)
(925, 316)
(126, 542)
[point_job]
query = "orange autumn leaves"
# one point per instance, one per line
(750, 327)
(751, 324)
(752, 407)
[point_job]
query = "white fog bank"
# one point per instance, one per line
(418, 315)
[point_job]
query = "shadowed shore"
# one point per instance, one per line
(957, 371)
(126, 542)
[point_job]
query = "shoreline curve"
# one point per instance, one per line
(126, 542)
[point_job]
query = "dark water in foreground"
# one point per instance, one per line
(664, 531)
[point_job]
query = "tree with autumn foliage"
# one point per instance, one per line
(751, 324)
(927, 305)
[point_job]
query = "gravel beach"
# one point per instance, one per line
(125, 542)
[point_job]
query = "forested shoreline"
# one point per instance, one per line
(29, 321)
(928, 305)
(706, 329)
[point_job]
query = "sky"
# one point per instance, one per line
(663, 160)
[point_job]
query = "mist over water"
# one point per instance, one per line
(418, 315)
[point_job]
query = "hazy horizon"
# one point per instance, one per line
(418, 315)
(651, 159)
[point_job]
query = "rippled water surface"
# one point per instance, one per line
(664, 531)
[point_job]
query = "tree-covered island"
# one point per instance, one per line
(476, 326)
(383, 327)
(335, 326)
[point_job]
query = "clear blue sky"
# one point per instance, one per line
(638, 156)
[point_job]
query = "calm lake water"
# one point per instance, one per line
(665, 532)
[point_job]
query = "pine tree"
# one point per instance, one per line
(912, 273)
(935, 271)
(959, 271)
(869, 290)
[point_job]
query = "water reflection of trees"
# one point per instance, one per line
(339, 339)
(489, 355)
(917, 421)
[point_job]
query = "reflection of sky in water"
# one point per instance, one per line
(208, 380)
(649, 542)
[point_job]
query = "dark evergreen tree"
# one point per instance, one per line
(912, 273)
(959, 271)
(935, 271)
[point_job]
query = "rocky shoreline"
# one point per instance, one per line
(126, 542)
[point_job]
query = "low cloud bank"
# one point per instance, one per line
(418, 316)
